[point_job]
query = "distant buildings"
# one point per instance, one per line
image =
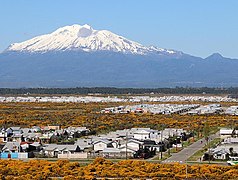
(152, 108)
(192, 109)
(87, 99)
(233, 110)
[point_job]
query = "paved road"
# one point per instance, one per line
(184, 154)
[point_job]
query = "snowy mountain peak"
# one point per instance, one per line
(75, 30)
(84, 38)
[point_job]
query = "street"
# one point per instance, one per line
(184, 154)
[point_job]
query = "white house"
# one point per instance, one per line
(53, 150)
(11, 147)
(102, 144)
(224, 133)
(134, 144)
(142, 134)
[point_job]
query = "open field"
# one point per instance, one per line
(88, 114)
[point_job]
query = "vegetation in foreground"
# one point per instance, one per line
(127, 169)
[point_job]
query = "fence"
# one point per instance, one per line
(6, 155)
(73, 156)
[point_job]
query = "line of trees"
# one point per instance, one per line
(111, 90)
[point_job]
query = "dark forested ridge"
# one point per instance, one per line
(111, 90)
(69, 69)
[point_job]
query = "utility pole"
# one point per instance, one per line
(176, 141)
(161, 153)
(169, 144)
(208, 140)
(186, 166)
(126, 143)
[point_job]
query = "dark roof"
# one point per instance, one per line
(1, 146)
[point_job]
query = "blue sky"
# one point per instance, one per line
(199, 27)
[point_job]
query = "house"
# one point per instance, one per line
(142, 134)
(134, 144)
(52, 150)
(31, 137)
(35, 129)
(229, 146)
(11, 147)
(224, 150)
(102, 144)
(76, 132)
(111, 153)
(122, 152)
(84, 144)
(45, 138)
(53, 127)
(30, 147)
(152, 146)
(225, 132)
(230, 140)
(25, 130)
(13, 130)
(35, 146)
(127, 151)
(220, 154)
(24, 146)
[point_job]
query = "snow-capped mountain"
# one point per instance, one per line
(74, 56)
(84, 38)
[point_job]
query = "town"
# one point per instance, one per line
(80, 143)
(98, 130)
(127, 98)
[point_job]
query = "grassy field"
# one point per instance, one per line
(88, 114)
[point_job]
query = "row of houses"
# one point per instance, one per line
(41, 134)
(228, 146)
(17, 142)
(207, 109)
(61, 99)
(182, 99)
(232, 110)
(134, 142)
(152, 108)
(128, 143)
(191, 109)
(87, 99)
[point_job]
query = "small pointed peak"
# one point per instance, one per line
(215, 56)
